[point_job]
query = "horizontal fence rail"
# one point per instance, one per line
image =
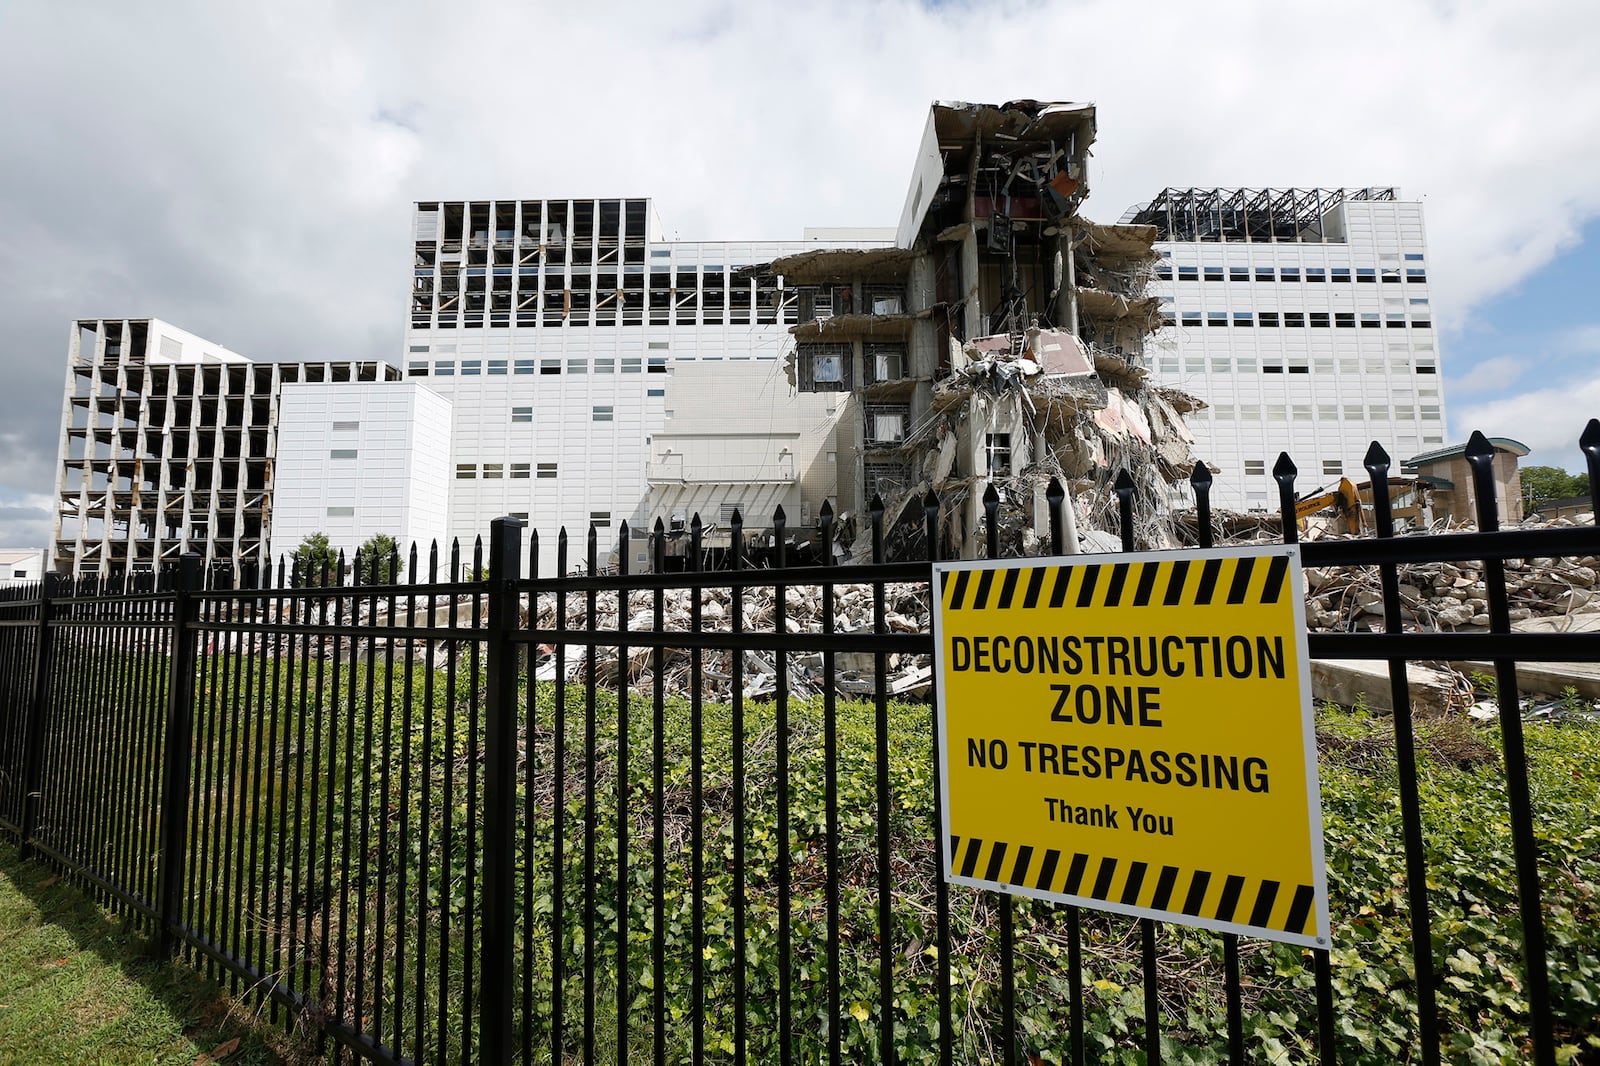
(508, 820)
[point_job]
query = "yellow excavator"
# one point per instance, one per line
(1346, 504)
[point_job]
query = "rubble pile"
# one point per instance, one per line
(1448, 596)
(905, 611)
(1080, 415)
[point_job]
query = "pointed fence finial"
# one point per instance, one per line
(1375, 459)
(1284, 472)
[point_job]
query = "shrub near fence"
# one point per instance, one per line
(354, 803)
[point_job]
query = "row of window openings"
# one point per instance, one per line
(496, 471)
(599, 414)
(1297, 319)
(446, 368)
(768, 306)
(1250, 412)
(1296, 365)
(1312, 274)
(1330, 467)
(423, 318)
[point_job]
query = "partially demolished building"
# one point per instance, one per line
(1002, 339)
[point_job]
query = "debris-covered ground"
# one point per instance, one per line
(905, 611)
(1435, 596)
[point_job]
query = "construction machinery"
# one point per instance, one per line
(1344, 502)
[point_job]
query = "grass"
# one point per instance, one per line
(77, 985)
(1475, 927)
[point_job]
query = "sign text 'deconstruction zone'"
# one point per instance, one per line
(1133, 733)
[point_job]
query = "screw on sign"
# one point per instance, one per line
(1133, 733)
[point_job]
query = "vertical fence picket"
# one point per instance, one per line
(624, 989)
(1147, 927)
(496, 955)
(1377, 464)
(941, 887)
(177, 742)
(471, 932)
(1480, 457)
(590, 756)
(697, 985)
(447, 828)
(1284, 473)
(558, 861)
(830, 793)
(530, 814)
(737, 743)
(780, 624)
(658, 812)
(880, 700)
(1003, 902)
(1060, 508)
(347, 800)
(38, 718)
(1233, 988)
(421, 1016)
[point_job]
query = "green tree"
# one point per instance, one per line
(315, 556)
(378, 560)
(1542, 483)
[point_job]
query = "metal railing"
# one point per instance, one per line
(466, 821)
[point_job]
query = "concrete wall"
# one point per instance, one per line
(359, 459)
(736, 434)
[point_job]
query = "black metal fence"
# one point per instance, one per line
(440, 820)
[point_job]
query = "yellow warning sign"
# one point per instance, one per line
(1134, 733)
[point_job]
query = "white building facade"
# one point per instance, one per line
(356, 460)
(1303, 317)
(553, 328)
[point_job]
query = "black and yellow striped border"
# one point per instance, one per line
(1164, 583)
(1254, 902)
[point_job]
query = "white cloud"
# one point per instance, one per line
(1581, 340)
(1548, 420)
(1490, 374)
(246, 171)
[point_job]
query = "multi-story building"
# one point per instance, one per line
(168, 443)
(553, 326)
(1302, 316)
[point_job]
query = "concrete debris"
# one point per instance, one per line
(1450, 596)
(909, 677)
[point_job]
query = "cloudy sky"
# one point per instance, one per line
(245, 171)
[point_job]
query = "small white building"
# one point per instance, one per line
(21, 565)
(358, 459)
